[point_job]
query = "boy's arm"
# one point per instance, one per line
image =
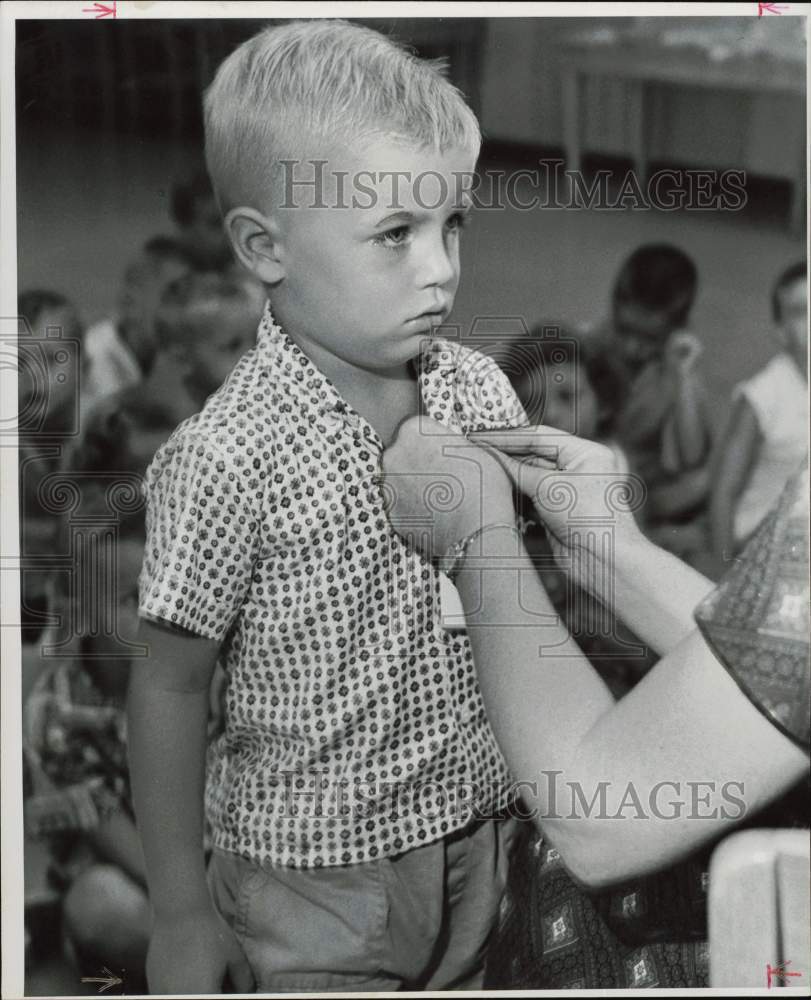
(191, 948)
(685, 434)
(650, 399)
(682, 494)
(736, 458)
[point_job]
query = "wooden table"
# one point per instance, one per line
(647, 62)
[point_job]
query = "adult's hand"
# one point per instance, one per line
(439, 487)
(571, 482)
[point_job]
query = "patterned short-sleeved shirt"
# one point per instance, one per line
(354, 726)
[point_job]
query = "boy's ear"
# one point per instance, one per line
(255, 239)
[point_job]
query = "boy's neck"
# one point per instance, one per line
(383, 397)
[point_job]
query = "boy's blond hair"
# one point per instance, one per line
(291, 90)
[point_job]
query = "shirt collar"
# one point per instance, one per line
(277, 351)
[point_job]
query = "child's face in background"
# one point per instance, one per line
(51, 360)
(366, 285)
(205, 236)
(793, 324)
(641, 335)
(144, 284)
(221, 341)
(567, 401)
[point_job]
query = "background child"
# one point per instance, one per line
(205, 322)
(75, 748)
(575, 384)
(572, 383)
(50, 361)
(766, 438)
(663, 426)
(199, 223)
(120, 349)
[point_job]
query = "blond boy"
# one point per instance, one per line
(349, 796)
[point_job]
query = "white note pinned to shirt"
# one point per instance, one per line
(452, 614)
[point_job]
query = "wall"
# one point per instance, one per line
(521, 102)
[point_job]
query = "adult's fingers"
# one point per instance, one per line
(542, 441)
(525, 473)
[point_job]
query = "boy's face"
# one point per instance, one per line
(642, 335)
(794, 321)
(365, 283)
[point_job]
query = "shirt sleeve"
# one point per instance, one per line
(202, 538)
(468, 391)
(756, 392)
(757, 620)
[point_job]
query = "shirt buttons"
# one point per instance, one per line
(332, 419)
(466, 716)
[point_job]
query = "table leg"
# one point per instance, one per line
(571, 119)
(798, 206)
(636, 92)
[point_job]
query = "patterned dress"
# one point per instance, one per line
(652, 933)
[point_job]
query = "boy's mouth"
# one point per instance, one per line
(431, 317)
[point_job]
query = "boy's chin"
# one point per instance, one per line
(405, 351)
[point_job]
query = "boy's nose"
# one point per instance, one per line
(437, 266)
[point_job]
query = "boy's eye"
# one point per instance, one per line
(396, 237)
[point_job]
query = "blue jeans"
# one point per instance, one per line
(421, 919)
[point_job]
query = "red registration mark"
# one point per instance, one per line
(779, 972)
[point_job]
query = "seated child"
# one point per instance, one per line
(50, 359)
(120, 349)
(569, 382)
(663, 426)
(574, 384)
(74, 730)
(199, 223)
(269, 548)
(766, 438)
(204, 324)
